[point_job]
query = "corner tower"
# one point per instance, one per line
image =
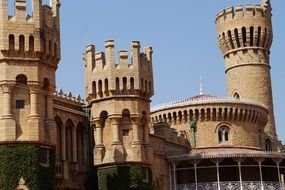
(29, 54)
(119, 97)
(245, 37)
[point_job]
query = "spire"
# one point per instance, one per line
(201, 87)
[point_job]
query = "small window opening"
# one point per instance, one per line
(21, 79)
(20, 104)
(236, 96)
(11, 42)
(244, 36)
(237, 38)
(223, 134)
(251, 36)
(268, 145)
(126, 132)
(31, 43)
(21, 43)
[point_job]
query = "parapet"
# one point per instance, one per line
(241, 12)
(100, 60)
(68, 97)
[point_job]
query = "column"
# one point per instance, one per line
(174, 175)
(240, 178)
(146, 130)
(218, 176)
(33, 101)
(7, 99)
(260, 174)
(63, 145)
(196, 180)
(115, 131)
(99, 130)
(136, 130)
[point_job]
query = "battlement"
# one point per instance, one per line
(245, 27)
(242, 12)
(31, 36)
(101, 60)
(129, 75)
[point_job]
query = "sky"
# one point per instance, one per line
(182, 34)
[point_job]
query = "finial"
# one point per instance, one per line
(201, 86)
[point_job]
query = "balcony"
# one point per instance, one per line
(232, 185)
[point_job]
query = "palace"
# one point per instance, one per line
(114, 139)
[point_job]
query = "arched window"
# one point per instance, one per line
(106, 87)
(132, 82)
(94, 87)
(100, 88)
(117, 84)
(236, 96)
(21, 43)
(31, 43)
(124, 84)
(268, 145)
(223, 134)
(21, 79)
(69, 140)
(11, 42)
(126, 113)
(46, 84)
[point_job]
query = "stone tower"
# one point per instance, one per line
(244, 37)
(29, 54)
(119, 98)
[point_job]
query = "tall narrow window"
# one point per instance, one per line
(94, 87)
(31, 43)
(11, 42)
(106, 87)
(124, 84)
(100, 87)
(117, 85)
(258, 36)
(243, 30)
(265, 37)
(237, 37)
(132, 83)
(236, 96)
(230, 39)
(21, 43)
(251, 35)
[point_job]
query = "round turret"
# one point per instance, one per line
(119, 97)
(245, 37)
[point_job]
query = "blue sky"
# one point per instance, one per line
(182, 34)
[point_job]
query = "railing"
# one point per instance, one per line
(232, 185)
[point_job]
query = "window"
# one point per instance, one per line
(126, 132)
(20, 104)
(223, 134)
(44, 156)
(236, 96)
(268, 145)
(145, 174)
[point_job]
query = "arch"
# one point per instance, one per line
(21, 79)
(59, 144)
(31, 43)
(236, 95)
(164, 118)
(69, 126)
(223, 133)
(22, 43)
(126, 113)
(11, 42)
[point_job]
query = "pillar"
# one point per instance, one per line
(98, 135)
(174, 175)
(136, 130)
(7, 122)
(34, 100)
(74, 144)
(115, 131)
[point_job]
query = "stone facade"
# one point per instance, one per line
(116, 126)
